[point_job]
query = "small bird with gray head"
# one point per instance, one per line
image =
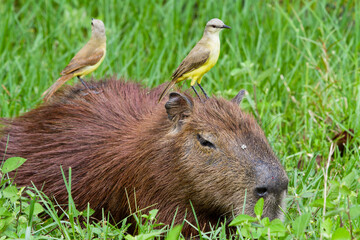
(85, 61)
(200, 59)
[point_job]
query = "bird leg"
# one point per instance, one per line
(203, 90)
(83, 82)
(196, 92)
(87, 87)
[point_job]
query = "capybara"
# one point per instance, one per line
(125, 149)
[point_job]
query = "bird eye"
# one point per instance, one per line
(92, 24)
(205, 142)
(213, 26)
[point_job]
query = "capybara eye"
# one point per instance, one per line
(205, 142)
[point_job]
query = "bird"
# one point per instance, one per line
(201, 58)
(85, 61)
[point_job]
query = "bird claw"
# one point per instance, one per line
(90, 89)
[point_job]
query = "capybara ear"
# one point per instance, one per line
(178, 107)
(239, 97)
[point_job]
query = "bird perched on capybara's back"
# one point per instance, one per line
(121, 143)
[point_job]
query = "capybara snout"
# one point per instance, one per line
(271, 180)
(127, 151)
(272, 184)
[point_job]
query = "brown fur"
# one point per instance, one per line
(123, 139)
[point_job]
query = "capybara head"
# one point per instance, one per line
(122, 145)
(225, 155)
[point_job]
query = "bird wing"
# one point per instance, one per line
(82, 60)
(195, 59)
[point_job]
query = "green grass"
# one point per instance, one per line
(299, 61)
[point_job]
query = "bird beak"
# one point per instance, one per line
(92, 19)
(225, 26)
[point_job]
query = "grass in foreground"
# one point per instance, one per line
(22, 216)
(297, 59)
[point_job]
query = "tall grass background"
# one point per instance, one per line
(298, 60)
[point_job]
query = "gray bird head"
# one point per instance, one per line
(97, 28)
(215, 25)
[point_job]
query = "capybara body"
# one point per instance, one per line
(127, 150)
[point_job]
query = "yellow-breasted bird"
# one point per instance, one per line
(85, 61)
(200, 59)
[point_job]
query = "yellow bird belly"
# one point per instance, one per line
(197, 74)
(89, 69)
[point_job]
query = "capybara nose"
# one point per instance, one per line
(261, 191)
(273, 187)
(271, 180)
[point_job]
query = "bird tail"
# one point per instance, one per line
(170, 85)
(59, 82)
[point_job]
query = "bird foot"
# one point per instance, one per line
(90, 89)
